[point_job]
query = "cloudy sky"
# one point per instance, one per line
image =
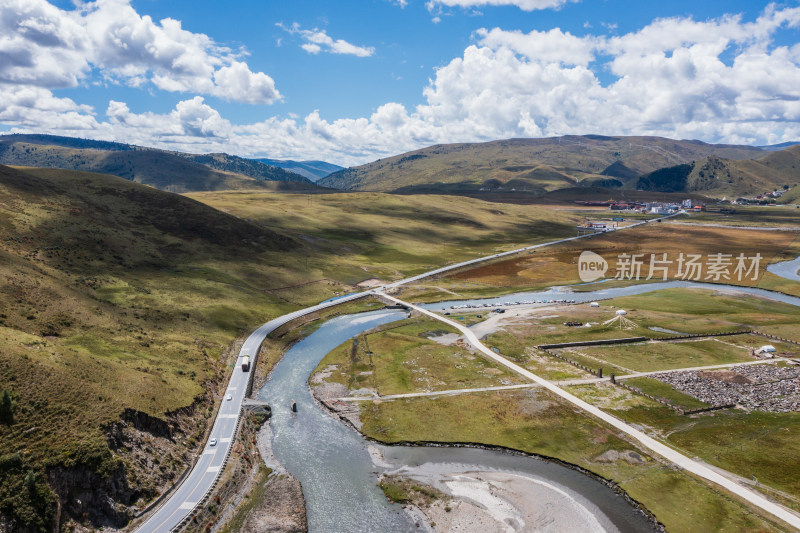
(349, 82)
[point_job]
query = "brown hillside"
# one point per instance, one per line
(568, 160)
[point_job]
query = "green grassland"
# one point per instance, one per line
(536, 422)
(554, 369)
(770, 281)
(594, 363)
(703, 311)
(733, 439)
(652, 356)
(690, 311)
(352, 237)
(118, 296)
(752, 445)
(401, 359)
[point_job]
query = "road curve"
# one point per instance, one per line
(191, 493)
(648, 442)
(185, 499)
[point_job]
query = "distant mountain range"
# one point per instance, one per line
(532, 165)
(162, 169)
(776, 147)
(313, 170)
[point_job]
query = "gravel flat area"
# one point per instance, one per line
(758, 387)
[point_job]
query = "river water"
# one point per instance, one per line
(329, 459)
(334, 466)
(786, 269)
(580, 297)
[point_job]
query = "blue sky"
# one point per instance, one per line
(353, 81)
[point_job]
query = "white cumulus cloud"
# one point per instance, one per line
(525, 5)
(317, 41)
(553, 46)
(718, 80)
(44, 46)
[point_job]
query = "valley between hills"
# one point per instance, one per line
(132, 277)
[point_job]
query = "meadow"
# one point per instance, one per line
(351, 237)
(558, 264)
(652, 356)
(401, 359)
(537, 422)
(121, 297)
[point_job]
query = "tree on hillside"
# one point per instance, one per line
(7, 405)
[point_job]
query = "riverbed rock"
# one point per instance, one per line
(282, 509)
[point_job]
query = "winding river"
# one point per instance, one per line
(338, 474)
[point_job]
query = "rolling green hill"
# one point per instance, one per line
(119, 303)
(170, 171)
(247, 167)
(719, 177)
(533, 165)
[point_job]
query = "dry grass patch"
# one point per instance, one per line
(559, 264)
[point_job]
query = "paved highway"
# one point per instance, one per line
(673, 456)
(192, 491)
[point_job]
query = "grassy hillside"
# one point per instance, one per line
(353, 236)
(247, 167)
(120, 302)
(537, 165)
(718, 177)
(170, 171)
(157, 169)
(117, 298)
